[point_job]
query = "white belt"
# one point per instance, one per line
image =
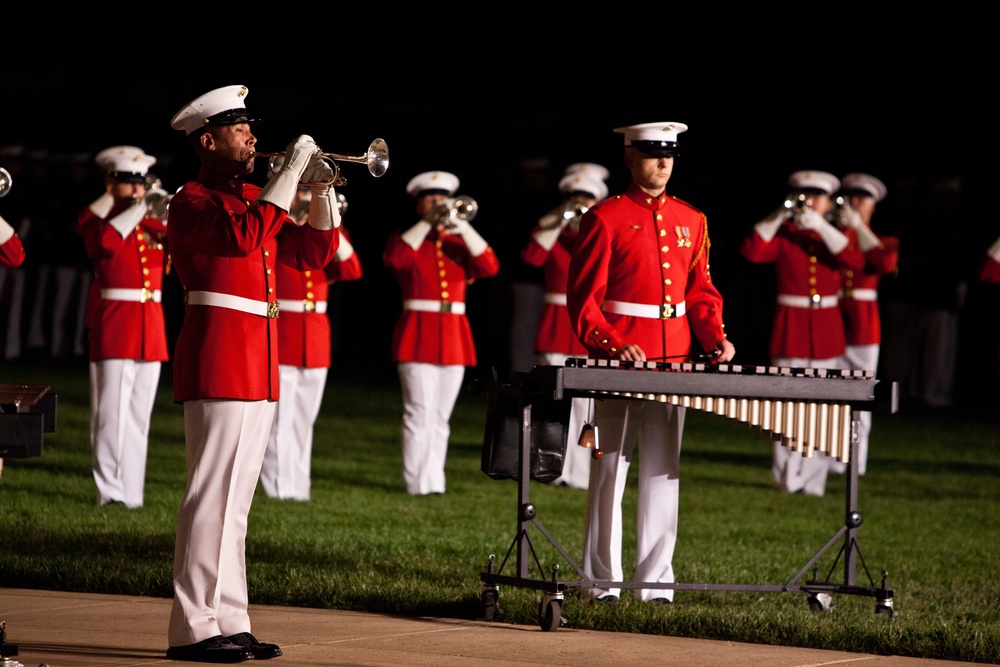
(815, 301)
(267, 309)
(557, 299)
(432, 306)
(302, 306)
(861, 295)
(141, 295)
(665, 312)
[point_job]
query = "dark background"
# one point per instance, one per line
(506, 98)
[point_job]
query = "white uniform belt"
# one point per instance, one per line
(267, 309)
(861, 295)
(121, 294)
(815, 301)
(302, 306)
(665, 312)
(554, 298)
(432, 306)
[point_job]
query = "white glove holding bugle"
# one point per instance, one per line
(473, 241)
(550, 226)
(833, 238)
(768, 227)
(280, 190)
(6, 231)
(994, 251)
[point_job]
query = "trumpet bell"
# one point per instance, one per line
(460, 208)
(377, 158)
(6, 182)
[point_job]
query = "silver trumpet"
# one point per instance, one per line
(797, 201)
(837, 215)
(158, 203)
(376, 157)
(6, 182)
(458, 208)
(573, 210)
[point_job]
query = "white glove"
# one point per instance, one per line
(834, 239)
(126, 221)
(416, 234)
(768, 227)
(6, 231)
(866, 238)
(550, 226)
(324, 213)
(852, 219)
(344, 250)
(280, 190)
(318, 171)
(473, 241)
(994, 250)
(102, 205)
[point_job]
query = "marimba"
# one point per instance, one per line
(811, 410)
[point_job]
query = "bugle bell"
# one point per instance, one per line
(377, 159)
(458, 208)
(6, 182)
(837, 215)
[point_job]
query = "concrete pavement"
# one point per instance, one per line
(59, 629)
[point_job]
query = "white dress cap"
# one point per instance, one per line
(125, 165)
(590, 168)
(816, 180)
(108, 155)
(583, 182)
(433, 182)
(222, 106)
(865, 182)
(654, 139)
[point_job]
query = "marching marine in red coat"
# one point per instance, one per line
(638, 285)
(859, 289)
(550, 247)
(432, 341)
(124, 317)
(227, 238)
(808, 330)
(11, 248)
(304, 350)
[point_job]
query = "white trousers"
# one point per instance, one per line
(576, 464)
(429, 395)
(657, 429)
(122, 393)
(792, 471)
(224, 447)
(865, 358)
(288, 459)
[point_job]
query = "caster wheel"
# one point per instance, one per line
(550, 615)
(885, 608)
(489, 599)
(820, 602)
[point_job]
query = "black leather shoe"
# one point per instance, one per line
(663, 601)
(216, 649)
(607, 599)
(260, 650)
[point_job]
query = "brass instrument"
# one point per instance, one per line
(837, 215)
(797, 202)
(158, 203)
(377, 159)
(6, 182)
(453, 209)
(341, 203)
(573, 210)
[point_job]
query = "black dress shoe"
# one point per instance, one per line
(260, 650)
(606, 599)
(216, 649)
(663, 601)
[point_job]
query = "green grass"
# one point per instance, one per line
(929, 503)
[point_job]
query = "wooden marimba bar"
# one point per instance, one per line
(809, 409)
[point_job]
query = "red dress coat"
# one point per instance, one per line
(122, 329)
(651, 251)
(223, 241)
(12, 252)
(804, 268)
(555, 333)
(862, 323)
(304, 337)
(989, 271)
(438, 270)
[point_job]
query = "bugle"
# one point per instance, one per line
(458, 208)
(6, 182)
(377, 159)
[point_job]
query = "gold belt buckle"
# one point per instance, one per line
(310, 306)
(272, 310)
(668, 312)
(446, 306)
(145, 295)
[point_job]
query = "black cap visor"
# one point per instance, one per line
(231, 117)
(657, 148)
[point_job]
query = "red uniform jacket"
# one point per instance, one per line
(804, 268)
(12, 252)
(125, 329)
(862, 324)
(304, 337)
(222, 241)
(555, 333)
(644, 250)
(439, 271)
(990, 270)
